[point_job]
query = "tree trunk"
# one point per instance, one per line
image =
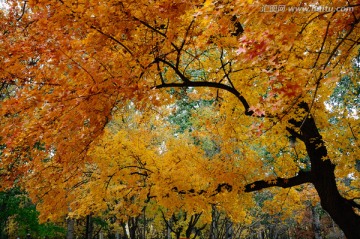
(101, 235)
(322, 173)
(228, 228)
(323, 178)
(133, 223)
(214, 223)
(144, 223)
(338, 207)
(70, 228)
(125, 228)
(168, 230)
(316, 222)
(89, 227)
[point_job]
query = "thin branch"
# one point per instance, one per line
(166, 222)
(108, 182)
(77, 63)
(352, 132)
(223, 68)
(155, 30)
(183, 44)
(332, 54)
(114, 39)
(159, 72)
(310, 21)
(322, 44)
(194, 57)
(177, 71)
(22, 12)
(351, 40)
(340, 42)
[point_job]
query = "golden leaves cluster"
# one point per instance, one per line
(70, 67)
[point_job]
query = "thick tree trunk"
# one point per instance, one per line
(323, 178)
(338, 207)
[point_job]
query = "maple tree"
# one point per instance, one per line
(71, 68)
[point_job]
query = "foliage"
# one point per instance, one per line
(19, 217)
(113, 108)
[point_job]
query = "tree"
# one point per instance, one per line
(72, 65)
(19, 217)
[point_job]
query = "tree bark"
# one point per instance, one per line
(89, 227)
(70, 228)
(324, 181)
(228, 228)
(125, 228)
(133, 226)
(316, 222)
(168, 230)
(322, 176)
(214, 223)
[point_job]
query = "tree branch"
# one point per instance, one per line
(22, 11)
(295, 134)
(353, 203)
(114, 39)
(183, 44)
(211, 85)
(177, 71)
(301, 178)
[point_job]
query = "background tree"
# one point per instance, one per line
(18, 217)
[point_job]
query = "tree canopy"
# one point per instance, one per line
(111, 106)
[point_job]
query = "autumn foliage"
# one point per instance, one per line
(91, 92)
